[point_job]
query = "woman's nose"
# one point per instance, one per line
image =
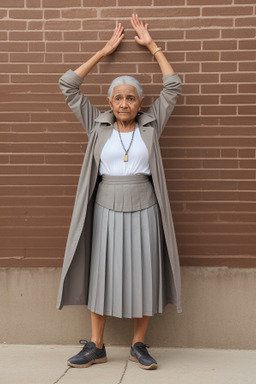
(124, 103)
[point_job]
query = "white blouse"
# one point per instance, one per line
(112, 155)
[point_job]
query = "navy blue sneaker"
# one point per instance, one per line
(89, 355)
(139, 354)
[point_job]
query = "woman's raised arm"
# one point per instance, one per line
(109, 48)
(143, 38)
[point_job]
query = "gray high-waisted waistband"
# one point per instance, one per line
(126, 193)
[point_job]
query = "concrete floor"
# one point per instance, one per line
(46, 364)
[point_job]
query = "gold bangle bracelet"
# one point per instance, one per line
(157, 50)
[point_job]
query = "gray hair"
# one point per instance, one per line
(126, 80)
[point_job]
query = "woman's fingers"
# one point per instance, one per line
(115, 40)
(143, 37)
(118, 32)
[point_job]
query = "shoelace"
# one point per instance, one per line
(84, 343)
(143, 348)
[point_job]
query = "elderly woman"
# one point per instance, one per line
(121, 255)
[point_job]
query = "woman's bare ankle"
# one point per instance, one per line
(98, 343)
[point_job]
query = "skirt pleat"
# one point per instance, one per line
(126, 276)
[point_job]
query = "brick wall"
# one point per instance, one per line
(208, 145)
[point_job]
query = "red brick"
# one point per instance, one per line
(118, 68)
(219, 67)
(184, 46)
(247, 66)
(25, 14)
(26, 57)
(53, 36)
(62, 47)
(168, 12)
(26, 159)
(131, 3)
(14, 117)
(4, 159)
(51, 14)
(187, 67)
(220, 45)
(202, 34)
(12, 25)
(243, 1)
(202, 56)
(53, 57)
(78, 35)
(58, 4)
(247, 44)
(46, 69)
(247, 88)
(26, 36)
(99, 25)
(4, 58)
(238, 56)
(217, 22)
(62, 159)
(201, 100)
(36, 47)
(62, 25)
(35, 25)
(202, 78)
(13, 47)
(117, 13)
(3, 35)
(190, 89)
(238, 33)
(100, 3)
(239, 77)
(12, 4)
(239, 120)
(227, 11)
(245, 22)
(13, 68)
(186, 110)
(246, 110)
(79, 13)
(218, 110)
(3, 14)
(209, 2)
(163, 2)
(238, 99)
(33, 3)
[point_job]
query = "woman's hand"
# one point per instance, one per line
(109, 48)
(143, 37)
(114, 41)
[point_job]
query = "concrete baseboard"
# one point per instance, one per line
(219, 311)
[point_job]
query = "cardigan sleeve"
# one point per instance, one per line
(163, 106)
(86, 113)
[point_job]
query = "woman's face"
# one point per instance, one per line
(125, 102)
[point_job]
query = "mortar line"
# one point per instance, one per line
(124, 372)
(58, 380)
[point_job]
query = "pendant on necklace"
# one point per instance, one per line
(125, 158)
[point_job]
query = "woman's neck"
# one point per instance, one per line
(125, 126)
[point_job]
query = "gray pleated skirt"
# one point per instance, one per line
(126, 275)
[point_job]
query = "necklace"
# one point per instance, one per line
(125, 150)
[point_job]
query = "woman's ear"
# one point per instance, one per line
(141, 103)
(109, 102)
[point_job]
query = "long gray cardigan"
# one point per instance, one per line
(99, 125)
